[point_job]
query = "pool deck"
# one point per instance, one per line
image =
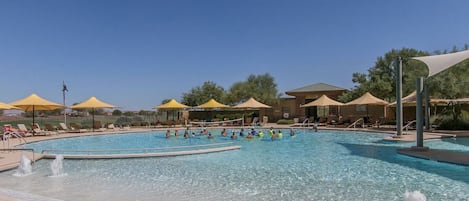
(11, 159)
(439, 155)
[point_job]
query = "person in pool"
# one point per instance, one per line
(261, 134)
(241, 133)
(210, 136)
(186, 135)
(168, 134)
(233, 136)
(292, 133)
(176, 133)
(280, 134)
(223, 133)
(271, 131)
(274, 136)
(253, 132)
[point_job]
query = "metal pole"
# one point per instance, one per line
(427, 107)
(419, 84)
(399, 116)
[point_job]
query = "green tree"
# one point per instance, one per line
(128, 113)
(202, 94)
(451, 83)
(116, 113)
(261, 87)
(380, 78)
(165, 101)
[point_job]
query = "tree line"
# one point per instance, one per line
(379, 80)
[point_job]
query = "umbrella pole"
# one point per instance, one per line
(33, 119)
(93, 121)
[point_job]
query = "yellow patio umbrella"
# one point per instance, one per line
(171, 105)
(212, 103)
(251, 103)
(92, 103)
(4, 106)
(34, 102)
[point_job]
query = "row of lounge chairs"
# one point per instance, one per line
(36, 130)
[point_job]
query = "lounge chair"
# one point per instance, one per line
(64, 127)
(38, 131)
(112, 127)
(22, 129)
(53, 129)
(8, 129)
(77, 129)
(97, 127)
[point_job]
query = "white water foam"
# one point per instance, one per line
(56, 166)
(25, 167)
(414, 196)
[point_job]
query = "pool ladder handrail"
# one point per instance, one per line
(406, 127)
(354, 124)
(7, 136)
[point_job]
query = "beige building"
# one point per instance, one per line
(289, 107)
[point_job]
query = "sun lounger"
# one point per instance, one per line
(77, 128)
(22, 128)
(8, 129)
(97, 127)
(38, 131)
(64, 127)
(112, 127)
(53, 129)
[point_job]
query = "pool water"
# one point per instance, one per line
(327, 165)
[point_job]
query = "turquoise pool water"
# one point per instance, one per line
(327, 165)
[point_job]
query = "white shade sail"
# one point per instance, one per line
(438, 63)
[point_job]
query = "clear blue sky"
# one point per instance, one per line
(134, 54)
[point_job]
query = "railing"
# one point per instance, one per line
(305, 123)
(354, 124)
(21, 149)
(406, 127)
(206, 123)
(7, 136)
(142, 150)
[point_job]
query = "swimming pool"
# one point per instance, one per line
(327, 165)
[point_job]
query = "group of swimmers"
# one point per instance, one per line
(224, 133)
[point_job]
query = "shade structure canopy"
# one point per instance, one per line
(438, 63)
(172, 104)
(251, 103)
(92, 103)
(35, 102)
(4, 106)
(410, 100)
(367, 99)
(212, 103)
(461, 100)
(323, 101)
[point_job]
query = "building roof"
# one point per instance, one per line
(318, 87)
